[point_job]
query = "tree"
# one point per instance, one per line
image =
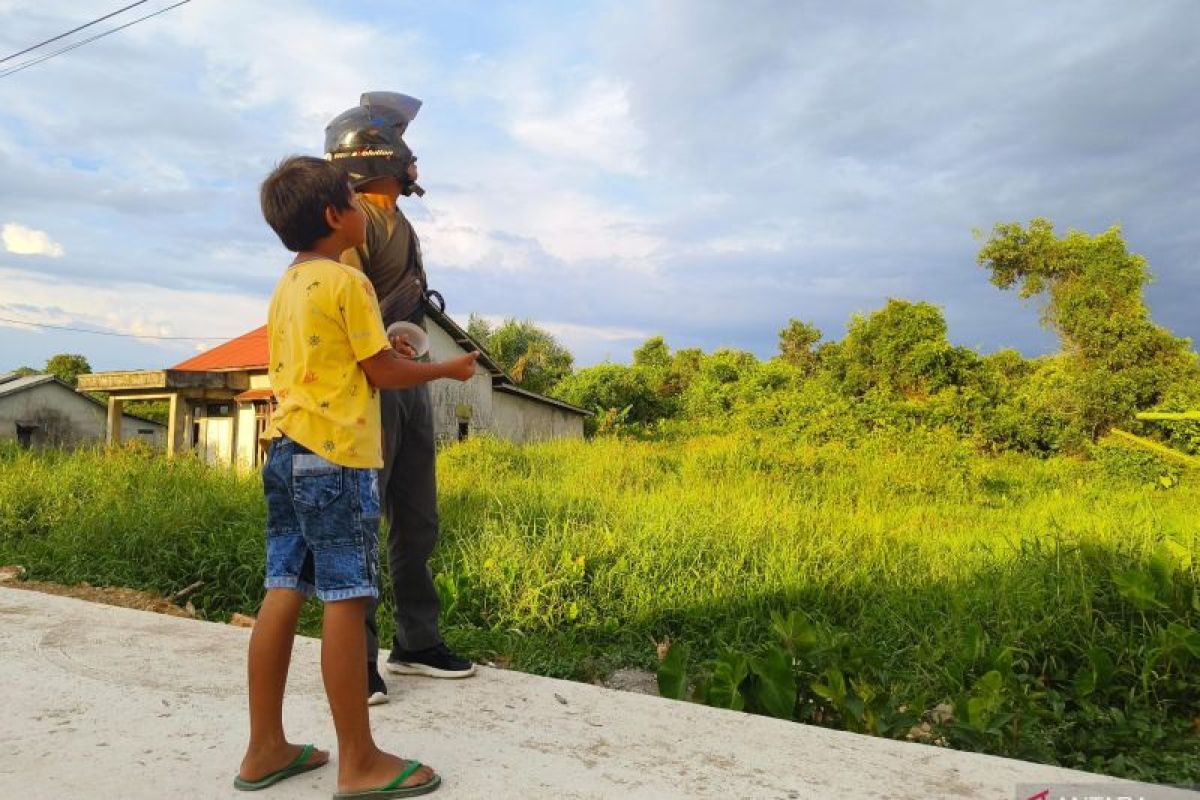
(900, 349)
(797, 342)
(479, 329)
(653, 354)
(1118, 360)
(613, 391)
(67, 367)
(24, 372)
(531, 355)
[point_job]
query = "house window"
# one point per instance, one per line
(463, 429)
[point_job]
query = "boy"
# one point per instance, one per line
(329, 356)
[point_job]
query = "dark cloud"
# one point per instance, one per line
(895, 130)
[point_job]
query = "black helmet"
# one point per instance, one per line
(366, 141)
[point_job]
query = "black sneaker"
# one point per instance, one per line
(433, 662)
(376, 688)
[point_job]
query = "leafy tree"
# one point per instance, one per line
(479, 329)
(24, 372)
(721, 382)
(1117, 359)
(797, 342)
(154, 410)
(531, 355)
(685, 365)
(613, 389)
(67, 367)
(653, 353)
(900, 349)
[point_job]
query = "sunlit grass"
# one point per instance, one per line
(572, 558)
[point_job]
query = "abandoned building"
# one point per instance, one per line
(42, 411)
(220, 401)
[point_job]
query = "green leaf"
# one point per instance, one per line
(1139, 589)
(972, 643)
(724, 688)
(1096, 674)
(795, 631)
(834, 687)
(775, 689)
(1181, 638)
(1162, 568)
(672, 673)
(986, 696)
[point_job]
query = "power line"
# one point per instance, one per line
(40, 59)
(114, 333)
(73, 30)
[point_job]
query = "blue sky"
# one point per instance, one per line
(611, 170)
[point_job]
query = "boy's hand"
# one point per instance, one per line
(463, 367)
(401, 346)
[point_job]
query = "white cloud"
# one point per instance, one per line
(576, 337)
(29, 242)
(138, 310)
(593, 126)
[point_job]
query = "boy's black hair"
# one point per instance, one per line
(294, 198)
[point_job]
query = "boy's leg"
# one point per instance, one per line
(343, 532)
(270, 655)
(389, 410)
(361, 764)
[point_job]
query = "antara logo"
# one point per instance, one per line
(1044, 794)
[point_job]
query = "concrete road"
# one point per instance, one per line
(104, 702)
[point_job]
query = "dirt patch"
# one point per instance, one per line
(108, 595)
(639, 681)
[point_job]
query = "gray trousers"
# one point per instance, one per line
(408, 494)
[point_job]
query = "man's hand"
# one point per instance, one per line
(463, 367)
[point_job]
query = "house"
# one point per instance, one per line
(221, 400)
(41, 410)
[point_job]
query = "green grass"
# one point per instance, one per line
(927, 565)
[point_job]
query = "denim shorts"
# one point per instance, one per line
(322, 524)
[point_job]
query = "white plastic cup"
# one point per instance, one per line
(412, 333)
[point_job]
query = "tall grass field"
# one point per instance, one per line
(905, 586)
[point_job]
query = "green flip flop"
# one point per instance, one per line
(394, 789)
(299, 765)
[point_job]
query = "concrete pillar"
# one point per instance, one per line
(114, 420)
(188, 419)
(233, 436)
(174, 425)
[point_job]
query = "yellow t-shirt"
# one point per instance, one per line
(322, 321)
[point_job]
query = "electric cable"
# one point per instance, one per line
(40, 59)
(115, 333)
(73, 30)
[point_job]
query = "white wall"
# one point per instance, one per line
(520, 419)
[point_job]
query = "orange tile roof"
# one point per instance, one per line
(248, 351)
(254, 394)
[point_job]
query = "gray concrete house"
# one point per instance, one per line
(221, 400)
(42, 411)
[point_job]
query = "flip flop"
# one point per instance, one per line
(394, 789)
(299, 765)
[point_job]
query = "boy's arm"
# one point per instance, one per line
(387, 369)
(384, 367)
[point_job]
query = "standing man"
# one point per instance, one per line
(366, 143)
